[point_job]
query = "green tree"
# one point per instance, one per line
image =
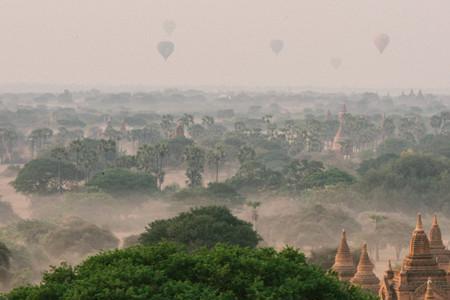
(41, 176)
(8, 143)
(39, 139)
(195, 160)
(187, 120)
(202, 227)
(207, 121)
(306, 174)
(388, 128)
(5, 261)
(167, 125)
(166, 271)
(246, 154)
(393, 146)
(150, 159)
(59, 154)
(436, 123)
(215, 158)
(120, 181)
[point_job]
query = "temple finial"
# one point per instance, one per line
(389, 265)
(435, 221)
(419, 225)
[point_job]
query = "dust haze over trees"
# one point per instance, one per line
(102, 170)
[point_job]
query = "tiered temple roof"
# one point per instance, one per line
(364, 276)
(419, 266)
(437, 247)
(343, 262)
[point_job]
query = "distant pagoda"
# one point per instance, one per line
(343, 262)
(340, 134)
(364, 276)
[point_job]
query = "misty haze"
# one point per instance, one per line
(224, 150)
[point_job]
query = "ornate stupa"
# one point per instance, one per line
(179, 131)
(340, 136)
(420, 265)
(364, 276)
(343, 262)
(437, 247)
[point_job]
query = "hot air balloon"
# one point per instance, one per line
(169, 26)
(336, 62)
(381, 41)
(277, 46)
(165, 48)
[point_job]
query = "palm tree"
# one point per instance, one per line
(5, 258)
(215, 157)
(207, 121)
(161, 151)
(107, 150)
(38, 139)
(150, 159)
(195, 160)
(8, 140)
(76, 147)
(89, 160)
(167, 124)
(187, 120)
(59, 154)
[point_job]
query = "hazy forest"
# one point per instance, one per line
(224, 150)
(84, 172)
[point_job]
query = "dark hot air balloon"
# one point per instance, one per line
(381, 41)
(165, 48)
(277, 46)
(169, 26)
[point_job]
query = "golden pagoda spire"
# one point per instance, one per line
(419, 243)
(419, 225)
(343, 262)
(435, 235)
(364, 276)
(429, 294)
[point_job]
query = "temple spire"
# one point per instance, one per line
(419, 225)
(364, 276)
(435, 235)
(343, 262)
(419, 243)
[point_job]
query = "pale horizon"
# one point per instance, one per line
(112, 43)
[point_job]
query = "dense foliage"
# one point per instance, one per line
(166, 271)
(123, 181)
(202, 227)
(43, 176)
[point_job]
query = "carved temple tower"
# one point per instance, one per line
(419, 266)
(364, 276)
(437, 247)
(343, 262)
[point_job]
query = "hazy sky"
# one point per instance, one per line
(225, 42)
